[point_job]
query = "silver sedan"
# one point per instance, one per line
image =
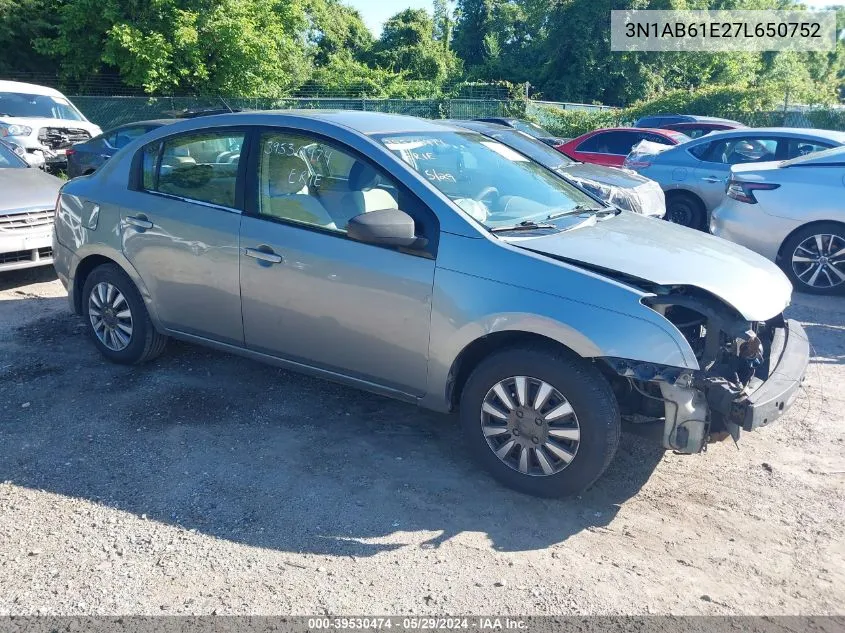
(431, 264)
(792, 213)
(694, 174)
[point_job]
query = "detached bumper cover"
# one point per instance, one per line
(789, 358)
(769, 401)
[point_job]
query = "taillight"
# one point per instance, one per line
(70, 151)
(744, 191)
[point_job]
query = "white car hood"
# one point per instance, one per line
(37, 123)
(671, 255)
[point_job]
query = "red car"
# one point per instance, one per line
(610, 146)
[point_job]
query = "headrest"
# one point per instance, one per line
(286, 174)
(362, 177)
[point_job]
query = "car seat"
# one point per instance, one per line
(285, 193)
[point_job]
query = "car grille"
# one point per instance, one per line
(26, 220)
(25, 256)
(61, 137)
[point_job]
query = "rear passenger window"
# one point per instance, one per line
(149, 165)
(202, 167)
(800, 147)
(610, 143)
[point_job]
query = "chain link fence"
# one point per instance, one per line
(108, 112)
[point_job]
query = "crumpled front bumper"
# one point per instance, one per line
(766, 400)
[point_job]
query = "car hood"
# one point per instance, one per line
(670, 255)
(28, 189)
(605, 175)
(38, 122)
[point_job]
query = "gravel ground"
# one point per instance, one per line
(205, 483)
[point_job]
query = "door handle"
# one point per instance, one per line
(264, 256)
(713, 179)
(140, 222)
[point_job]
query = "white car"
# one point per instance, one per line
(792, 212)
(41, 123)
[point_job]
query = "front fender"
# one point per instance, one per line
(466, 308)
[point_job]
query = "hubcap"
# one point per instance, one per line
(819, 261)
(110, 316)
(530, 426)
(680, 214)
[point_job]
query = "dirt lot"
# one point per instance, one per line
(205, 483)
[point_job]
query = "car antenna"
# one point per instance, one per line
(228, 107)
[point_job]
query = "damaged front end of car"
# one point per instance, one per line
(748, 374)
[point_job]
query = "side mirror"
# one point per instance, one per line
(388, 227)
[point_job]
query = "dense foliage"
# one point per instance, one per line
(272, 48)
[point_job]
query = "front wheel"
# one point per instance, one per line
(544, 423)
(814, 258)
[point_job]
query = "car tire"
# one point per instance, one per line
(572, 463)
(686, 210)
(804, 245)
(117, 319)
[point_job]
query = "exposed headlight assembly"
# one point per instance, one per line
(14, 130)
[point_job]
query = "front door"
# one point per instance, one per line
(180, 231)
(312, 295)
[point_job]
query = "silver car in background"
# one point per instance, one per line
(622, 188)
(27, 208)
(793, 213)
(434, 265)
(694, 174)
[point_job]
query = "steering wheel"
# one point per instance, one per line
(487, 192)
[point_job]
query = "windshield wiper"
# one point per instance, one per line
(577, 209)
(525, 225)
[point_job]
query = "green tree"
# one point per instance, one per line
(244, 47)
(473, 28)
(407, 45)
(337, 28)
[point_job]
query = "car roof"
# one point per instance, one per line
(479, 124)
(656, 130)
(32, 89)
(688, 118)
(813, 133)
(367, 123)
(151, 122)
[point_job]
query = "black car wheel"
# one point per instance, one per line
(542, 422)
(117, 319)
(814, 258)
(686, 210)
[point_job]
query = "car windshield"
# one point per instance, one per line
(534, 149)
(491, 182)
(20, 104)
(531, 128)
(10, 160)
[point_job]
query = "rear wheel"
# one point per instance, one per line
(117, 319)
(814, 258)
(544, 423)
(686, 210)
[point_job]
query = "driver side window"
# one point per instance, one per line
(305, 180)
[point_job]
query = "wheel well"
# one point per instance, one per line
(674, 193)
(481, 348)
(82, 271)
(88, 172)
(801, 228)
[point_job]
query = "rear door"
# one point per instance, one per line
(711, 174)
(180, 229)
